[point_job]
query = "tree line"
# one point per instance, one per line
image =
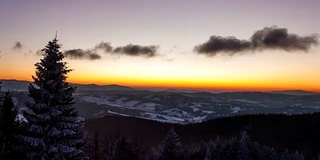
(236, 148)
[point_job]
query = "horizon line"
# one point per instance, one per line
(180, 88)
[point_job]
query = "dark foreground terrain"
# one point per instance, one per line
(295, 132)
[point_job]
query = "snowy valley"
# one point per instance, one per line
(184, 107)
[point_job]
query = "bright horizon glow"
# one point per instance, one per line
(176, 27)
(205, 86)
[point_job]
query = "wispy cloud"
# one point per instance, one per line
(106, 48)
(39, 52)
(264, 39)
(17, 46)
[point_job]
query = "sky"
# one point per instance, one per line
(257, 45)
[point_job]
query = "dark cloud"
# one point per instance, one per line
(82, 54)
(226, 45)
(279, 38)
(104, 46)
(266, 38)
(17, 46)
(92, 54)
(137, 50)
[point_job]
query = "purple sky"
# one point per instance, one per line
(148, 21)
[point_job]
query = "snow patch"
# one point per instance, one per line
(199, 119)
(15, 101)
(116, 113)
(21, 118)
(208, 112)
(121, 103)
(162, 118)
(235, 109)
(132, 103)
(195, 109)
(177, 113)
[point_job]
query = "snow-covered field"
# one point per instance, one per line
(184, 108)
(235, 109)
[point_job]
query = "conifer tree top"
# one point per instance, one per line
(51, 71)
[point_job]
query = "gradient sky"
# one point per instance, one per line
(175, 26)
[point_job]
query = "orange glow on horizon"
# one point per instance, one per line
(190, 85)
(201, 84)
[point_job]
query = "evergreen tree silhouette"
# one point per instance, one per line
(96, 147)
(244, 151)
(8, 128)
(171, 147)
(268, 153)
(53, 126)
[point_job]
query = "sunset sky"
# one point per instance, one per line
(172, 39)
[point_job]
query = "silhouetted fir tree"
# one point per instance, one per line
(203, 153)
(8, 128)
(216, 149)
(255, 151)
(150, 153)
(92, 146)
(244, 142)
(268, 153)
(231, 149)
(96, 147)
(53, 128)
(286, 155)
(170, 147)
(122, 149)
(197, 152)
(297, 156)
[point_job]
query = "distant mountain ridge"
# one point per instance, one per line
(102, 87)
(295, 92)
(14, 85)
(20, 86)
